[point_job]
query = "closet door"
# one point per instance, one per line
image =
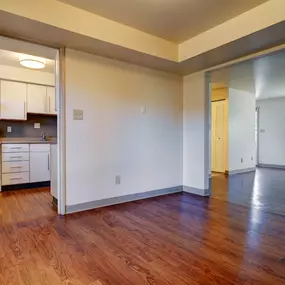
(218, 136)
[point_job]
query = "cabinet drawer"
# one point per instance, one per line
(15, 147)
(15, 166)
(18, 156)
(15, 178)
(39, 147)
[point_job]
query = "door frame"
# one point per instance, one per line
(61, 120)
(257, 112)
(61, 131)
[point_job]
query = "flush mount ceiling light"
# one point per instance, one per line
(32, 62)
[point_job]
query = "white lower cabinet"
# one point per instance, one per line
(25, 163)
(39, 163)
(15, 178)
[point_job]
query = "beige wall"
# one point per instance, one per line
(115, 137)
(223, 94)
(196, 133)
(261, 17)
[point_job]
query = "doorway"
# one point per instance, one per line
(31, 130)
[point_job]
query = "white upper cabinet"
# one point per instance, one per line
(37, 98)
(51, 100)
(13, 100)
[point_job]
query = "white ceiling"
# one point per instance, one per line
(264, 76)
(174, 20)
(11, 50)
(12, 59)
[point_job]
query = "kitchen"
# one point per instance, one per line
(28, 119)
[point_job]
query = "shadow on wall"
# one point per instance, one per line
(48, 125)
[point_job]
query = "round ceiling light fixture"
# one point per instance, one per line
(32, 62)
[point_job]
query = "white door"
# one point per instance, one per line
(218, 136)
(37, 99)
(39, 166)
(13, 100)
(51, 100)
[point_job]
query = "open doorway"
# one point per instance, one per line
(248, 134)
(29, 129)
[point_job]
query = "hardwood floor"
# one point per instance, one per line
(263, 189)
(176, 239)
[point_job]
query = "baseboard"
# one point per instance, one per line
(122, 199)
(196, 191)
(25, 186)
(239, 171)
(264, 165)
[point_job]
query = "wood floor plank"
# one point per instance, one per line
(176, 239)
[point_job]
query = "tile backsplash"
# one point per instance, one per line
(25, 129)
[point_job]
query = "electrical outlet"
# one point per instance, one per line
(241, 160)
(77, 114)
(37, 125)
(9, 129)
(117, 179)
(252, 158)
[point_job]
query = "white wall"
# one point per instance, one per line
(272, 136)
(196, 131)
(26, 75)
(115, 138)
(241, 130)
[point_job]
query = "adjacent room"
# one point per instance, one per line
(28, 129)
(248, 133)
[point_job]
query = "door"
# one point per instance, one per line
(13, 100)
(218, 136)
(51, 100)
(37, 99)
(39, 166)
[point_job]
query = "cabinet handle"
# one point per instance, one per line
(19, 156)
(18, 147)
(49, 104)
(48, 161)
(25, 113)
(16, 166)
(16, 178)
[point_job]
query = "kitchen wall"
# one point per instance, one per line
(26, 75)
(48, 125)
(241, 130)
(272, 131)
(132, 127)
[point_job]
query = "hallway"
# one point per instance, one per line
(263, 189)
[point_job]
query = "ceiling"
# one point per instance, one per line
(173, 20)
(11, 50)
(263, 76)
(12, 59)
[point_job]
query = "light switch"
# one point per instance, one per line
(143, 109)
(9, 129)
(77, 114)
(37, 125)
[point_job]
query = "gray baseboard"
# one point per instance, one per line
(122, 199)
(238, 171)
(264, 165)
(196, 191)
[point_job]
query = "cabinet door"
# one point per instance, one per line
(51, 100)
(37, 99)
(13, 100)
(39, 166)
